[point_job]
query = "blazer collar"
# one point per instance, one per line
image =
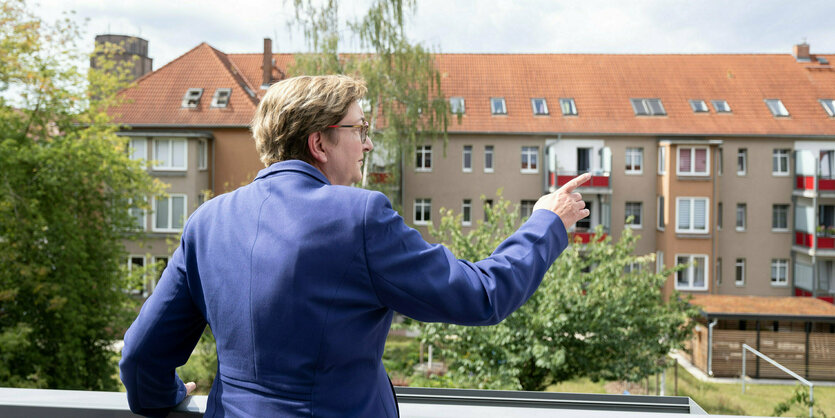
(292, 166)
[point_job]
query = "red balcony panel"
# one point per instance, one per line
(826, 184)
(585, 237)
(551, 179)
(806, 294)
(802, 238)
(805, 182)
(826, 242)
(596, 181)
(379, 177)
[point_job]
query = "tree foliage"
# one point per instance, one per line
(405, 104)
(589, 318)
(66, 187)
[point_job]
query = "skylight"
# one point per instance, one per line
(828, 106)
(498, 106)
(721, 106)
(192, 98)
(699, 106)
(456, 104)
(568, 107)
(221, 97)
(776, 107)
(648, 107)
(540, 106)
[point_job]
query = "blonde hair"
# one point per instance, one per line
(294, 108)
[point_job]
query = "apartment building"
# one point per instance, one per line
(722, 160)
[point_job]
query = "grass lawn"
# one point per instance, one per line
(719, 398)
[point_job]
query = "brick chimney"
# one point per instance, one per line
(801, 52)
(267, 64)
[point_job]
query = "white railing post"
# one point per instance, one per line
(781, 367)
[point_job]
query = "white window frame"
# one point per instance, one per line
(740, 262)
(136, 153)
(693, 171)
(526, 204)
(467, 209)
(133, 214)
(568, 107)
(202, 154)
(502, 108)
(742, 153)
(699, 106)
(467, 150)
(692, 213)
(530, 151)
(690, 272)
(632, 152)
(659, 261)
(720, 161)
(828, 106)
(777, 264)
(491, 151)
(744, 217)
(170, 152)
(777, 108)
(718, 272)
(192, 98)
(644, 107)
(170, 214)
(640, 217)
(662, 160)
(721, 106)
(659, 215)
(426, 205)
(544, 106)
(457, 105)
(777, 157)
(774, 211)
(720, 208)
(218, 101)
(422, 151)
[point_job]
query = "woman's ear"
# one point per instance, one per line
(316, 146)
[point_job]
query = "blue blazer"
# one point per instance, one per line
(298, 280)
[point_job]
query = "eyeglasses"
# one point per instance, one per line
(363, 129)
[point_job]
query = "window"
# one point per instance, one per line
(467, 212)
(648, 107)
(488, 158)
(139, 218)
(529, 157)
(526, 208)
(170, 213)
(170, 154)
(539, 106)
(719, 270)
(692, 215)
(202, 154)
(191, 98)
(699, 106)
(583, 160)
(633, 210)
(467, 159)
(719, 161)
(741, 161)
(741, 209)
(151, 282)
(720, 106)
(138, 149)
(661, 222)
(136, 262)
(488, 204)
(662, 160)
(780, 162)
(568, 108)
(634, 160)
(221, 97)
(693, 161)
(659, 261)
(719, 212)
(828, 106)
(423, 158)
(456, 105)
(423, 210)
(827, 164)
(776, 107)
(584, 224)
(779, 272)
(739, 279)
(780, 218)
(497, 106)
(201, 197)
(694, 277)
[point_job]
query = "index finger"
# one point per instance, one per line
(576, 182)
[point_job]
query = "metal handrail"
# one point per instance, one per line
(781, 367)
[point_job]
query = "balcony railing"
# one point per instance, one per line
(597, 179)
(805, 239)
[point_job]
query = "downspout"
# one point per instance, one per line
(713, 288)
(710, 346)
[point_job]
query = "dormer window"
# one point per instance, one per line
(456, 105)
(776, 107)
(699, 106)
(192, 98)
(828, 106)
(497, 106)
(648, 107)
(221, 97)
(721, 106)
(540, 107)
(568, 107)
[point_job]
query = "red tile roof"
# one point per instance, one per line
(763, 306)
(600, 84)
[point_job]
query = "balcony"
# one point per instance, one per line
(814, 173)
(566, 159)
(413, 402)
(806, 240)
(585, 237)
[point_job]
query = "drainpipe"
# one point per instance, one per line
(714, 232)
(710, 347)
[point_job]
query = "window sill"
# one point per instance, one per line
(692, 289)
(779, 285)
(467, 171)
(633, 173)
(168, 173)
(489, 171)
(423, 170)
(781, 231)
(692, 235)
(687, 177)
(529, 171)
(632, 226)
(421, 223)
(780, 174)
(738, 229)
(737, 284)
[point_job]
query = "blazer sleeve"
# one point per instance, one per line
(426, 282)
(161, 339)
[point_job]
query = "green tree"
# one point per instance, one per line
(66, 188)
(405, 106)
(592, 316)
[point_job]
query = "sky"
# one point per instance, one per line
(520, 26)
